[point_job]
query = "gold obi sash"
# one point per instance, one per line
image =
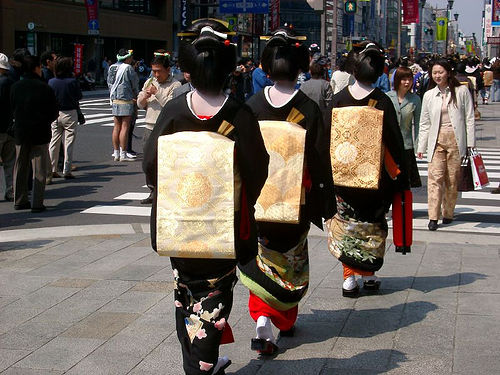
(282, 194)
(196, 195)
(356, 148)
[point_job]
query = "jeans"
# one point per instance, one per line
(495, 91)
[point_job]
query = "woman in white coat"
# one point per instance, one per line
(446, 131)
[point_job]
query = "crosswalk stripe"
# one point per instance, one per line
(106, 123)
(480, 195)
(463, 209)
(492, 176)
(458, 226)
(96, 115)
(133, 196)
(93, 100)
(119, 210)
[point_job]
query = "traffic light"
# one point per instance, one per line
(350, 6)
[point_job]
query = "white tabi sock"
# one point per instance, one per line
(350, 283)
(370, 278)
(220, 363)
(264, 329)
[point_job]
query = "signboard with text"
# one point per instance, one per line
(410, 12)
(488, 28)
(78, 59)
(274, 14)
(495, 21)
(244, 6)
(92, 16)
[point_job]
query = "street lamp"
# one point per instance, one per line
(448, 9)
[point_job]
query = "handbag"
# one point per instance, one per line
(465, 182)
(81, 117)
(479, 175)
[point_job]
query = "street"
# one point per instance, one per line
(108, 192)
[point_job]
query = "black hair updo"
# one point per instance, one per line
(367, 61)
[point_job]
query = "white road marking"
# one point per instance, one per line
(480, 195)
(119, 210)
(464, 209)
(458, 226)
(133, 196)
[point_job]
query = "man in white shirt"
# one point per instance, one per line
(155, 93)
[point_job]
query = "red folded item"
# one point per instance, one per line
(402, 221)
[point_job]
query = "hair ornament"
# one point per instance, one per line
(370, 46)
(164, 54)
(124, 57)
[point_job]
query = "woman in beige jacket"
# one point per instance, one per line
(446, 131)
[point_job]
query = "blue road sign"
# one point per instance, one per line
(244, 6)
(93, 25)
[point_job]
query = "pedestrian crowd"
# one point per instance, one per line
(242, 157)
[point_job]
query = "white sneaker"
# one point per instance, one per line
(131, 156)
(124, 157)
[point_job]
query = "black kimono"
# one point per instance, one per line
(368, 207)
(279, 275)
(204, 287)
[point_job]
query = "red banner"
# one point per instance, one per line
(410, 12)
(78, 59)
(274, 12)
(91, 6)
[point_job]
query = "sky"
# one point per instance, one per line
(470, 14)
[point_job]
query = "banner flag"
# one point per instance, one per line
(78, 59)
(92, 16)
(441, 28)
(495, 13)
(410, 12)
(274, 14)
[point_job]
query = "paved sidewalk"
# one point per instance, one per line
(103, 305)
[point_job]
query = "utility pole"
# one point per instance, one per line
(398, 52)
(334, 34)
(323, 29)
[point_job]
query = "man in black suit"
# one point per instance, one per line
(34, 108)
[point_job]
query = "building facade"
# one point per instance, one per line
(41, 25)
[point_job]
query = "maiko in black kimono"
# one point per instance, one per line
(204, 287)
(279, 276)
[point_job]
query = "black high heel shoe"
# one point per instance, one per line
(433, 225)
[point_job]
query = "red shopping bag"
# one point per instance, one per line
(479, 175)
(402, 221)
